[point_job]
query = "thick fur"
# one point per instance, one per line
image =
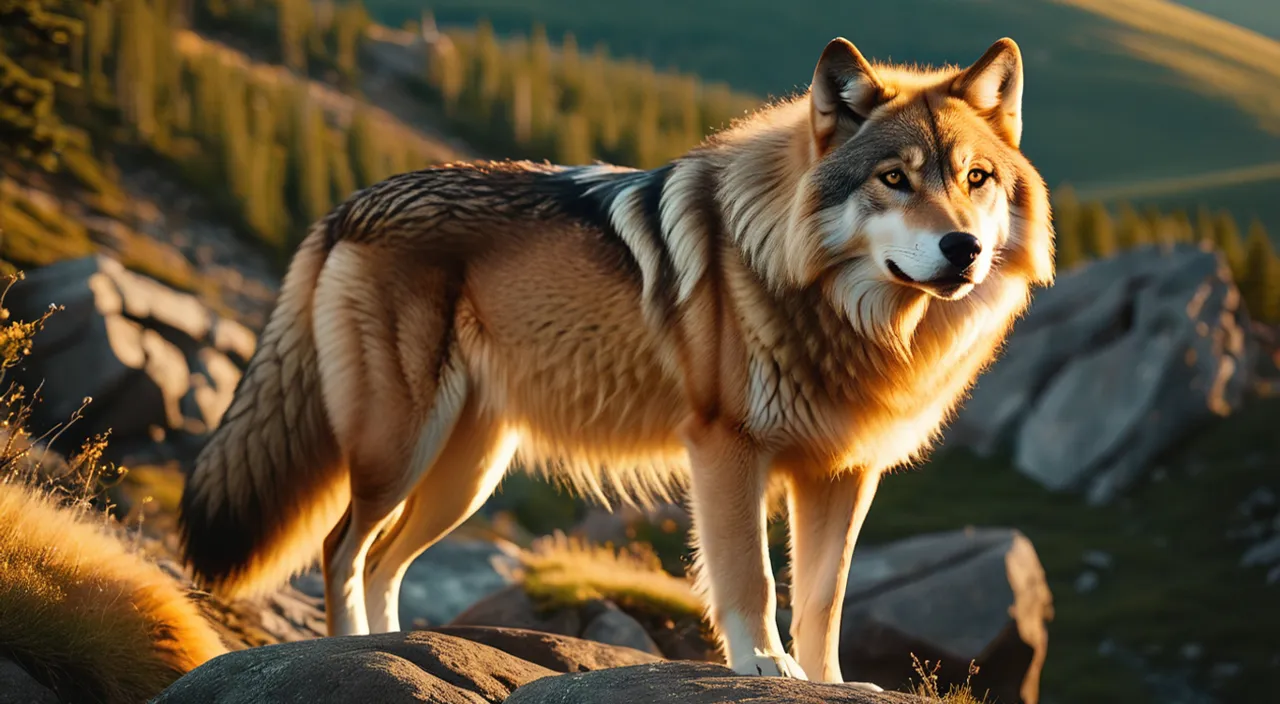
(83, 612)
(774, 309)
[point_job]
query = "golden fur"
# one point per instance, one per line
(774, 309)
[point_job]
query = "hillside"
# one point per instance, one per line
(1113, 101)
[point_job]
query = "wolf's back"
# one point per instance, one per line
(269, 484)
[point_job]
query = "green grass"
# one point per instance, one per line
(1105, 101)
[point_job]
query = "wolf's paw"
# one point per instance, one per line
(770, 665)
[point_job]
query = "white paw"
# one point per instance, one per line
(864, 686)
(770, 665)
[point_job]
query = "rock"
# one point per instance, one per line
(690, 683)
(554, 652)
(1111, 364)
(18, 687)
(389, 667)
(663, 635)
(614, 627)
(452, 575)
(512, 607)
(977, 595)
(157, 364)
(445, 580)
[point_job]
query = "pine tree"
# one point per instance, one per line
(1205, 230)
(35, 50)
(1067, 228)
(1132, 230)
(573, 140)
(1226, 236)
(293, 19)
(1261, 283)
(363, 149)
(1098, 231)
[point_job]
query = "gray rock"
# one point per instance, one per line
(156, 363)
(977, 595)
(18, 687)
(390, 667)
(614, 627)
(452, 575)
(552, 651)
(445, 580)
(1109, 366)
(690, 683)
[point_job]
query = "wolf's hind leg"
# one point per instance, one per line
(468, 470)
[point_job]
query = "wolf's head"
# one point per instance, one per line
(918, 172)
(905, 183)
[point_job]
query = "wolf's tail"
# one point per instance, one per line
(270, 482)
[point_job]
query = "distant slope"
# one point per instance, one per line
(1118, 91)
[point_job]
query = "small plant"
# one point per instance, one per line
(929, 689)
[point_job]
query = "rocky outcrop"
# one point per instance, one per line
(1110, 366)
(482, 665)
(972, 596)
(392, 667)
(599, 620)
(159, 367)
(690, 683)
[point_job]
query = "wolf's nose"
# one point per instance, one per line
(960, 248)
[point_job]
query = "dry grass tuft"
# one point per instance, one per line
(562, 571)
(928, 688)
(80, 608)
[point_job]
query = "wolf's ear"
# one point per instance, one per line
(993, 85)
(844, 92)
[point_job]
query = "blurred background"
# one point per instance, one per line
(1100, 523)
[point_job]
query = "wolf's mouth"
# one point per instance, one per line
(898, 273)
(943, 286)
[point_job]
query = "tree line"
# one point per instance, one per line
(521, 95)
(257, 139)
(1089, 230)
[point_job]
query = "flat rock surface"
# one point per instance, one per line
(690, 683)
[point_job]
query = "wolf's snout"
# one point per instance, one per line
(960, 248)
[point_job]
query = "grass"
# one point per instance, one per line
(84, 613)
(81, 609)
(931, 690)
(561, 571)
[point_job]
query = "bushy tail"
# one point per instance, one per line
(270, 482)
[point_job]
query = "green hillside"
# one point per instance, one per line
(1121, 94)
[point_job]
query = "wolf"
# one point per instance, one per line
(788, 311)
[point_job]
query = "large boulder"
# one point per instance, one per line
(691, 683)
(598, 620)
(390, 667)
(156, 363)
(463, 666)
(1110, 366)
(972, 596)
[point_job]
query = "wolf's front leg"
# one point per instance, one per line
(826, 515)
(729, 475)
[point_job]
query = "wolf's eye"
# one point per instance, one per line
(977, 177)
(896, 180)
